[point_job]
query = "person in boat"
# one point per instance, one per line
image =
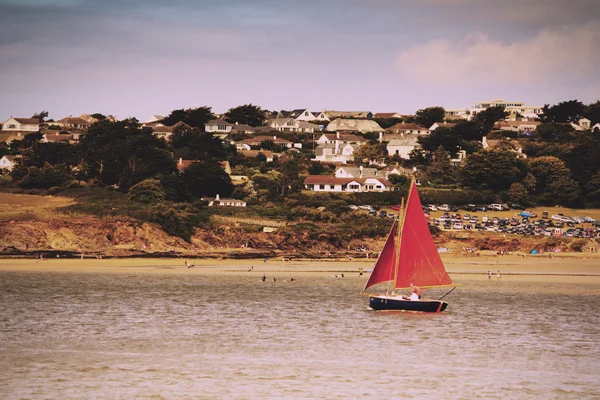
(416, 294)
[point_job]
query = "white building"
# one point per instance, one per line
(21, 124)
(321, 183)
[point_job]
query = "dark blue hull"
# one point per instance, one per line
(384, 303)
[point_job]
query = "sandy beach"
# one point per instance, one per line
(571, 268)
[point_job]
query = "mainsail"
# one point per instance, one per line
(414, 259)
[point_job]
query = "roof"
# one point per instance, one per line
(162, 129)
(386, 115)
(402, 126)
(254, 153)
(28, 121)
(346, 114)
(260, 139)
(74, 121)
(331, 180)
(298, 112)
(358, 125)
(12, 158)
(356, 171)
(514, 144)
(219, 122)
(406, 141)
(344, 137)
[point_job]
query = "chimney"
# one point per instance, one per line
(217, 198)
(337, 135)
(361, 171)
(484, 141)
(380, 136)
(180, 160)
(274, 137)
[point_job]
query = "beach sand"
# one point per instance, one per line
(567, 268)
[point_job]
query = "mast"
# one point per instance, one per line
(401, 217)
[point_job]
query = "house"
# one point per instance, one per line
(218, 125)
(71, 122)
(335, 152)
(408, 129)
(301, 114)
(387, 115)
(153, 119)
(322, 183)
(394, 169)
(461, 156)
(320, 116)
(184, 164)
(583, 124)
(21, 125)
(457, 114)
(354, 125)
(163, 132)
(53, 136)
(269, 155)
(218, 201)
(343, 138)
(256, 141)
(444, 124)
(292, 125)
(7, 163)
(403, 145)
(348, 114)
(517, 126)
(357, 172)
(9, 136)
(503, 144)
(595, 127)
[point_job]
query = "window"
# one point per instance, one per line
(12, 126)
(222, 127)
(306, 113)
(322, 187)
(331, 187)
(354, 187)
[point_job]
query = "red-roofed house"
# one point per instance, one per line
(71, 122)
(408, 129)
(387, 115)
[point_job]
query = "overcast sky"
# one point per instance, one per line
(143, 57)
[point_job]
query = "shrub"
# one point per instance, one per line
(577, 245)
(147, 191)
(53, 190)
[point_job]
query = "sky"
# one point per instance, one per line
(136, 58)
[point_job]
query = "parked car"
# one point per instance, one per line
(431, 207)
(368, 208)
(495, 207)
(444, 207)
(481, 208)
(353, 207)
(382, 213)
(516, 206)
(470, 207)
(545, 215)
(396, 207)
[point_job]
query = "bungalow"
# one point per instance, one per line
(403, 145)
(246, 144)
(517, 126)
(357, 172)
(343, 138)
(21, 124)
(163, 132)
(595, 127)
(8, 162)
(583, 124)
(394, 169)
(218, 201)
(300, 114)
(354, 125)
(184, 164)
(504, 144)
(292, 125)
(218, 125)
(444, 124)
(408, 129)
(348, 114)
(321, 183)
(71, 122)
(53, 136)
(335, 152)
(269, 155)
(387, 115)
(320, 116)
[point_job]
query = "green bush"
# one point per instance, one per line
(578, 244)
(147, 191)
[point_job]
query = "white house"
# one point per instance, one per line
(517, 126)
(394, 169)
(444, 124)
(408, 129)
(342, 138)
(402, 146)
(387, 115)
(597, 126)
(357, 172)
(335, 152)
(218, 125)
(292, 125)
(347, 114)
(218, 201)
(21, 124)
(8, 162)
(321, 183)
(512, 145)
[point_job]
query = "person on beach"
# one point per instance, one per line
(489, 275)
(264, 278)
(498, 276)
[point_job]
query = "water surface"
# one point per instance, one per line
(155, 335)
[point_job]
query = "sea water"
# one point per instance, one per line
(200, 336)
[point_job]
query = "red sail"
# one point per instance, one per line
(384, 268)
(420, 263)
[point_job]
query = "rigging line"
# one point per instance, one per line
(448, 293)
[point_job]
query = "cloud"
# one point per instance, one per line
(551, 57)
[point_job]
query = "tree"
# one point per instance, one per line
(593, 191)
(563, 112)
(592, 112)
(193, 144)
(547, 169)
(124, 153)
(517, 193)
(488, 117)
(565, 192)
(147, 191)
(492, 169)
(440, 170)
(45, 177)
(430, 115)
(41, 115)
(194, 117)
(369, 151)
(207, 178)
(248, 114)
(315, 168)
(443, 137)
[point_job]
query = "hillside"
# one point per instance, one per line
(31, 224)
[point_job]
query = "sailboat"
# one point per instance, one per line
(409, 259)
